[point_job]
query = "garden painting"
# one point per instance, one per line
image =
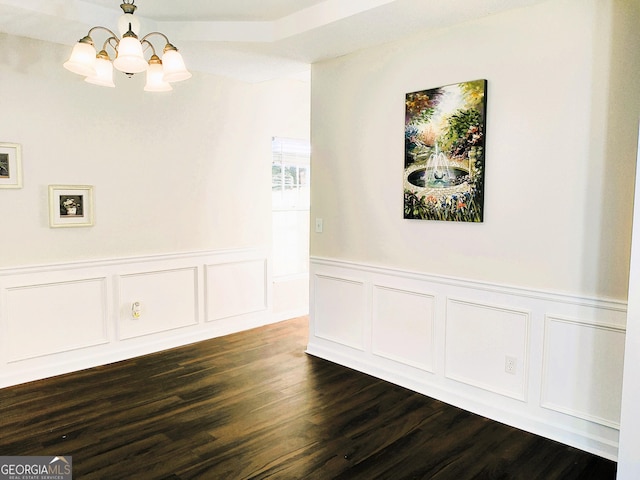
(444, 153)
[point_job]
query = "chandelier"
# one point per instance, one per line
(97, 68)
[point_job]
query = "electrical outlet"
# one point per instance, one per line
(510, 364)
(136, 310)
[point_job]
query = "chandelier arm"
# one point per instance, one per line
(108, 42)
(114, 46)
(148, 44)
(155, 33)
(103, 28)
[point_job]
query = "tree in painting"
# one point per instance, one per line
(444, 153)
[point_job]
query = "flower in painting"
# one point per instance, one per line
(69, 203)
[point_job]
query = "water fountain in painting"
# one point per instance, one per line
(437, 173)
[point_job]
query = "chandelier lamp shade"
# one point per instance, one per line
(128, 52)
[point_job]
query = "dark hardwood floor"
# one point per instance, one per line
(254, 405)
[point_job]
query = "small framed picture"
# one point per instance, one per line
(10, 165)
(70, 206)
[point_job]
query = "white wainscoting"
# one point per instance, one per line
(403, 325)
(59, 318)
(579, 358)
(235, 288)
(168, 299)
(475, 358)
(341, 305)
(80, 309)
(453, 339)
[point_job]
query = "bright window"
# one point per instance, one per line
(290, 174)
(290, 182)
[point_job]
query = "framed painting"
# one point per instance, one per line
(444, 160)
(10, 165)
(70, 206)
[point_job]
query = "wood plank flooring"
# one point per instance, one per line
(253, 405)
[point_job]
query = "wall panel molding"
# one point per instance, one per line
(479, 337)
(403, 326)
(478, 286)
(448, 338)
(235, 288)
(80, 308)
(583, 360)
(168, 299)
(340, 310)
(64, 317)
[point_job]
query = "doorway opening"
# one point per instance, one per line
(290, 194)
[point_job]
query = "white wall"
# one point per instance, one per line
(182, 190)
(177, 172)
(560, 150)
(544, 278)
(629, 458)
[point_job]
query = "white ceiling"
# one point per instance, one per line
(214, 10)
(252, 40)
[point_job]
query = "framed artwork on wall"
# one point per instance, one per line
(70, 206)
(10, 165)
(444, 161)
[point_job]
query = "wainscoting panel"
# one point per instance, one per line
(403, 326)
(168, 300)
(494, 350)
(59, 318)
(339, 310)
(480, 339)
(55, 317)
(236, 288)
(581, 362)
